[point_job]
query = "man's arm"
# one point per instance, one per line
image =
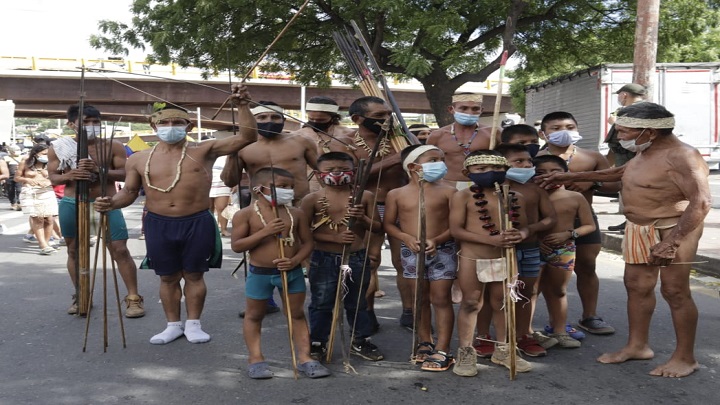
(116, 171)
(58, 176)
(608, 175)
(311, 153)
(246, 123)
(232, 170)
(4, 171)
(128, 194)
(547, 213)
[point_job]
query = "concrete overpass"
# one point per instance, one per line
(47, 92)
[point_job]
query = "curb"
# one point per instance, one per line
(613, 243)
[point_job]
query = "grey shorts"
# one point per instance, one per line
(442, 266)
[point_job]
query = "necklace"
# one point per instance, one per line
(325, 217)
(290, 240)
(465, 147)
(177, 175)
(483, 211)
(382, 151)
(325, 144)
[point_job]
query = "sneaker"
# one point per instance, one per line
(530, 347)
(365, 349)
(596, 326)
(141, 237)
(574, 333)
(29, 238)
(406, 319)
(318, 351)
(466, 362)
(47, 251)
(484, 347)
(619, 227)
(566, 341)
(545, 341)
(134, 307)
(73, 310)
(61, 241)
(501, 356)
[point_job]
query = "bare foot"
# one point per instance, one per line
(675, 369)
(626, 354)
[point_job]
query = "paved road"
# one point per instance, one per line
(715, 187)
(42, 361)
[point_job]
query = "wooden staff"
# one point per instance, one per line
(82, 204)
(505, 205)
(283, 274)
(420, 270)
(498, 100)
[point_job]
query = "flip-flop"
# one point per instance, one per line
(442, 364)
(313, 369)
(260, 371)
(427, 353)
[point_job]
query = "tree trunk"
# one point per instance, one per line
(646, 37)
(439, 92)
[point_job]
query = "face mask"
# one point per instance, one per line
(564, 138)
(520, 174)
(466, 119)
(487, 179)
(433, 171)
(319, 126)
(633, 146)
(92, 131)
(336, 178)
(171, 135)
(284, 196)
(42, 159)
(374, 124)
(270, 129)
(533, 149)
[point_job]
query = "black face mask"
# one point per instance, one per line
(533, 149)
(319, 126)
(374, 124)
(270, 129)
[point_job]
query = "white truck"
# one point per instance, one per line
(688, 90)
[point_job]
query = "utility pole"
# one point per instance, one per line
(646, 36)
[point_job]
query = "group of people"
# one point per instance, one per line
(306, 217)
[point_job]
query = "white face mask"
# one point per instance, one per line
(285, 196)
(42, 159)
(633, 146)
(92, 131)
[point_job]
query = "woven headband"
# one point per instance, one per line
(267, 109)
(657, 123)
(329, 108)
(169, 114)
(478, 98)
(415, 154)
(485, 160)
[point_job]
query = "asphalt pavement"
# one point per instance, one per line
(43, 363)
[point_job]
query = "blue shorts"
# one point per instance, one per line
(176, 244)
(67, 213)
(442, 266)
(528, 258)
(261, 281)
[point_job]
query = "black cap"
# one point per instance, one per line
(633, 88)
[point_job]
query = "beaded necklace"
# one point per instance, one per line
(465, 147)
(177, 175)
(325, 144)
(290, 240)
(325, 217)
(382, 151)
(485, 214)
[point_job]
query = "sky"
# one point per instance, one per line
(58, 28)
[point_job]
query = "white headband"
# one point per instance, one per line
(415, 154)
(657, 123)
(330, 108)
(267, 109)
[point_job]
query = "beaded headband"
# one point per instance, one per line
(485, 160)
(330, 108)
(169, 114)
(415, 154)
(478, 98)
(657, 123)
(267, 109)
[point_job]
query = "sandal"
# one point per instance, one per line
(313, 369)
(422, 355)
(260, 371)
(434, 364)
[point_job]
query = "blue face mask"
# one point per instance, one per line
(533, 149)
(520, 174)
(564, 138)
(466, 119)
(433, 171)
(171, 135)
(487, 179)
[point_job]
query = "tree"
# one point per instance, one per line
(441, 43)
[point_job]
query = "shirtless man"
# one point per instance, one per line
(667, 196)
(461, 137)
(180, 231)
(63, 168)
(291, 152)
(561, 133)
(369, 113)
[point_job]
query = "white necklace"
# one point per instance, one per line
(177, 175)
(290, 240)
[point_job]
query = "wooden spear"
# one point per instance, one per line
(82, 203)
(498, 100)
(420, 270)
(505, 204)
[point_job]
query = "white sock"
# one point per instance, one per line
(194, 332)
(173, 331)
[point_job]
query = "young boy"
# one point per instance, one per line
(257, 230)
(557, 247)
(540, 217)
(331, 212)
(425, 165)
(476, 225)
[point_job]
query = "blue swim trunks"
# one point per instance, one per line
(261, 281)
(442, 266)
(67, 212)
(528, 258)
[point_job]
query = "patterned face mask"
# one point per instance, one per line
(336, 178)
